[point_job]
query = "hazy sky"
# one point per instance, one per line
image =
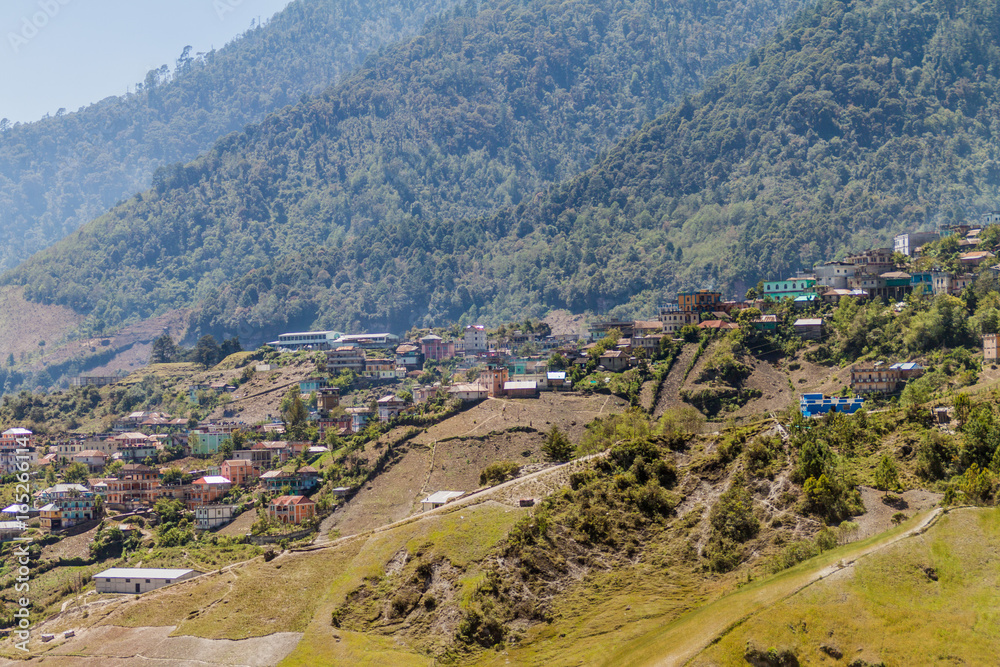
(69, 53)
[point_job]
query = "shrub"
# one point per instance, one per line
(732, 516)
(497, 473)
(557, 446)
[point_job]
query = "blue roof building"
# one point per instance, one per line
(813, 405)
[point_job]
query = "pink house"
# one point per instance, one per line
(436, 348)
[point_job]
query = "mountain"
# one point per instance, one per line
(483, 108)
(61, 172)
(855, 122)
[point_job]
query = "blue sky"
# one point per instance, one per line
(69, 53)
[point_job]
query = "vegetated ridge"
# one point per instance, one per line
(60, 172)
(326, 212)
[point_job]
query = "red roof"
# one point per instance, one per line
(717, 324)
(292, 500)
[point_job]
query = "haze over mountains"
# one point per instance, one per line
(58, 173)
(485, 107)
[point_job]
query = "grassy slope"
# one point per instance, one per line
(889, 607)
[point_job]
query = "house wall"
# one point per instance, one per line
(127, 584)
(990, 347)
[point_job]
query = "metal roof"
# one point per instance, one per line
(808, 322)
(142, 573)
(442, 497)
(524, 384)
(214, 479)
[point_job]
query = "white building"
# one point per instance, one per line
(438, 499)
(207, 517)
(317, 340)
(139, 579)
(17, 446)
(475, 338)
(907, 243)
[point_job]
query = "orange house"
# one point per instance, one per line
(238, 471)
(209, 489)
(292, 509)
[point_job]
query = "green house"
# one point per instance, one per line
(205, 444)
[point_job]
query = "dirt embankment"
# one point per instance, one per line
(449, 456)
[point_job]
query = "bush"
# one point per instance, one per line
(497, 473)
(557, 446)
(732, 516)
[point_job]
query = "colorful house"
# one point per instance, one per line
(206, 490)
(788, 289)
(204, 443)
(303, 480)
(292, 509)
(239, 471)
(66, 505)
(436, 348)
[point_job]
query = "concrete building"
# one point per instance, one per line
(910, 241)
(316, 340)
(390, 406)
(345, 358)
(139, 579)
(834, 274)
(495, 375)
(436, 348)
(788, 289)
(990, 347)
(475, 339)
(292, 509)
(17, 447)
(702, 301)
(438, 499)
(521, 389)
(207, 517)
(370, 340)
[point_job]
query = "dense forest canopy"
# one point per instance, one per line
(329, 211)
(855, 122)
(61, 172)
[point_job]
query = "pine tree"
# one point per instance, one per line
(557, 446)
(886, 475)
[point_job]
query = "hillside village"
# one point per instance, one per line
(118, 471)
(339, 410)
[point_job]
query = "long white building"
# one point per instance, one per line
(139, 579)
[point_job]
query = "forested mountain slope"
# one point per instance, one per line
(61, 172)
(858, 120)
(486, 105)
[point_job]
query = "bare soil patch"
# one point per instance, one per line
(24, 323)
(571, 412)
(393, 495)
(76, 546)
(878, 512)
(124, 647)
(259, 399)
(563, 322)
(240, 525)
(670, 391)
